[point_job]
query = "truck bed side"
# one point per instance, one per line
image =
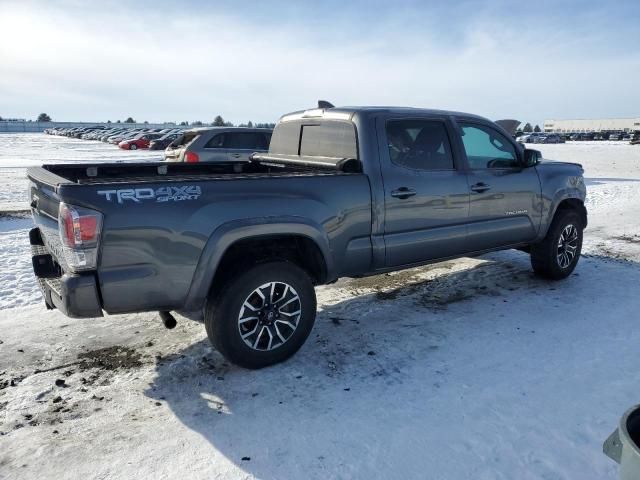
(162, 240)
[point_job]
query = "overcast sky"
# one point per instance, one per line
(244, 60)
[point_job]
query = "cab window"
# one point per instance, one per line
(419, 144)
(488, 148)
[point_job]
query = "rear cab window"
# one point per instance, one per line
(315, 138)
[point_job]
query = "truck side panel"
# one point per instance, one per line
(151, 251)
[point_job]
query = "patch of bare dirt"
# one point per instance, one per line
(389, 286)
(491, 279)
(110, 358)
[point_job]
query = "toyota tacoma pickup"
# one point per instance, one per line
(341, 192)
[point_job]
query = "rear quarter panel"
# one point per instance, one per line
(150, 250)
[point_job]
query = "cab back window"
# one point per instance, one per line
(307, 138)
(285, 139)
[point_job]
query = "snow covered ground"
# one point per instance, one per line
(19, 151)
(466, 369)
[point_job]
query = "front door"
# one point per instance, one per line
(426, 192)
(504, 206)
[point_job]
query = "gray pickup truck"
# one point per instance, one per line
(342, 192)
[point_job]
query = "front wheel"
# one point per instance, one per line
(262, 316)
(133, 146)
(556, 256)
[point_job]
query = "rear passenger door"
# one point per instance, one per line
(242, 144)
(426, 195)
(504, 204)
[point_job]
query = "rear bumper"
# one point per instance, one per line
(75, 295)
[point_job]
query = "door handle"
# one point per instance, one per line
(480, 187)
(403, 192)
(235, 155)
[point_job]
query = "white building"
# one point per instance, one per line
(595, 125)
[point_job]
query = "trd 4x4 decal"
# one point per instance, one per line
(162, 194)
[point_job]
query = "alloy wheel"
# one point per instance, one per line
(269, 316)
(567, 246)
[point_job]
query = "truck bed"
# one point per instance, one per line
(109, 173)
(83, 174)
(165, 225)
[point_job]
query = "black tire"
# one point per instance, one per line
(133, 146)
(224, 309)
(546, 258)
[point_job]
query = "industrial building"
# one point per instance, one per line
(595, 125)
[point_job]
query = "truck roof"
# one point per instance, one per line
(347, 113)
(225, 129)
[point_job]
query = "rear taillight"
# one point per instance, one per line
(79, 234)
(191, 157)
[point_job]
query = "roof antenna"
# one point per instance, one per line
(325, 104)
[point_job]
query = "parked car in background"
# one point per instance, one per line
(139, 141)
(530, 137)
(218, 144)
(163, 142)
(126, 135)
(614, 136)
(105, 136)
(548, 138)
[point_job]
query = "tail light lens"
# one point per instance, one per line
(80, 235)
(191, 157)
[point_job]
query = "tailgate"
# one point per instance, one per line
(75, 294)
(43, 198)
(45, 202)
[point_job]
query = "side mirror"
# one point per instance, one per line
(532, 157)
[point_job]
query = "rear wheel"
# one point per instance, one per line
(262, 316)
(557, 255)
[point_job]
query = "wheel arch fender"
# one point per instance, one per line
(230, 233)
(566, 200)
